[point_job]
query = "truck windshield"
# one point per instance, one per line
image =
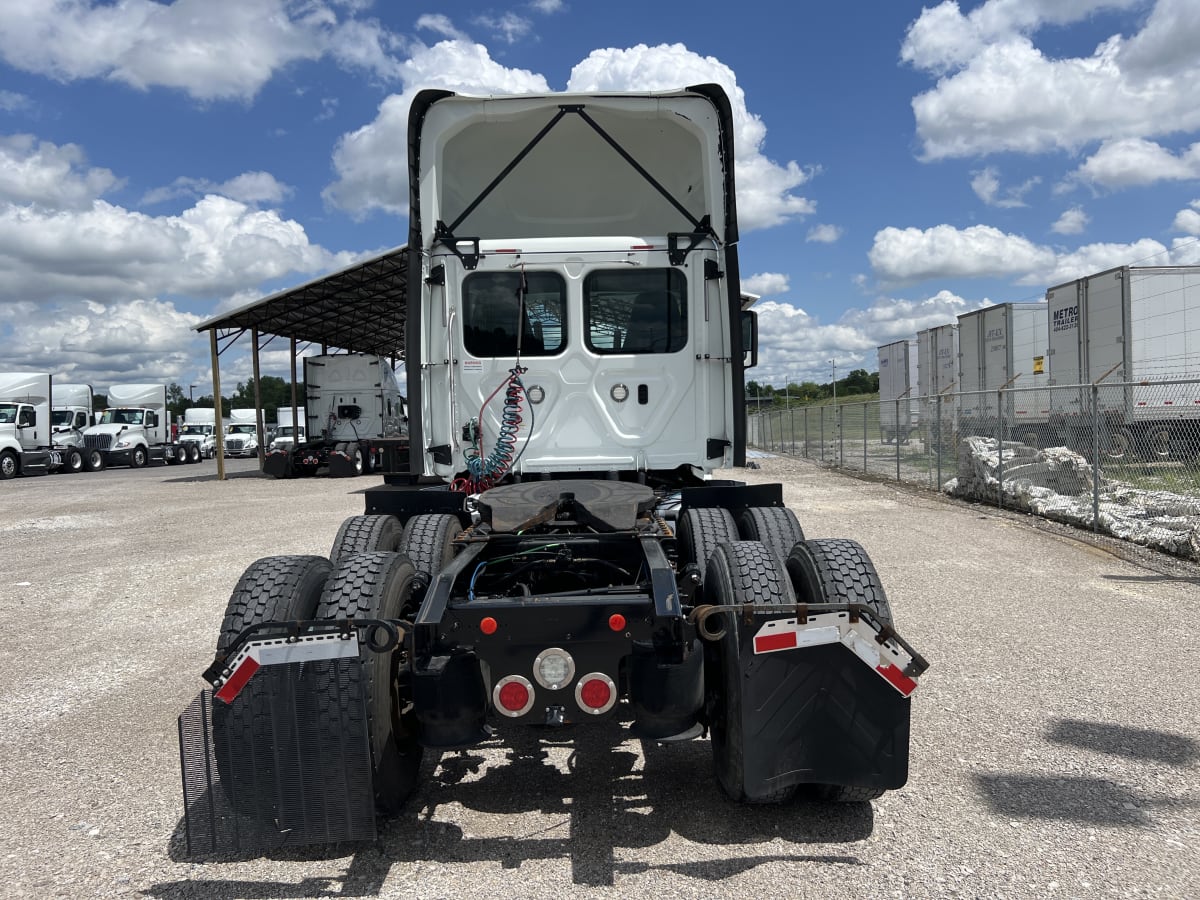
(60, 417)
(287, 431)
(240, 429)
(8, 413)
(635, 311)
(122, 417)
(197, 429)
(492, 303)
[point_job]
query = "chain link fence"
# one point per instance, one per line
(1117, 458)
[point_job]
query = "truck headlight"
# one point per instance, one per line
(122, 444)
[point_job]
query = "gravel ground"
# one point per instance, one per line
(1055, 752)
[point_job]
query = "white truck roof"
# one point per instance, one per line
(147, 396)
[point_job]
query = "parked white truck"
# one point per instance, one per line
(241, 434)
(286, 430)
(1130, 329)
(135, 430)
(899, 409)
(28, 443)
(199, 432)
(356, 419)
(1004, 346)
(70, 414)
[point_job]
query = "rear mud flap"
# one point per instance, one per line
(819, 715)
(278, 465)
(286, 763)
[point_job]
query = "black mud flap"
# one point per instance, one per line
(288, 762)
(341, 465)
(278, 465)
(820, 715)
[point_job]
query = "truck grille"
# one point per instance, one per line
(97, 441)
(235, 444)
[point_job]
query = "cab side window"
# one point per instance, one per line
(636, 311)
(504, 312)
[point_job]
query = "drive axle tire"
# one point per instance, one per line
(428, 541)
(273, 589)
(93, 461)
(701, 530)
(836, 570)
(776, 527)
(193, 452)
(72, 461)
(8, 465)
(363, 534)
(378, 585)
(738, 573)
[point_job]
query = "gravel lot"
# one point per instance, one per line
(1056, 750)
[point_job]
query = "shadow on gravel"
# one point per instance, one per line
(1134, 743)
(1089, 801)
(1152, 579)
(609, 798)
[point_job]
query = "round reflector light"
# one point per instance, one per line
(488, 625)
(616, 622)
(596, 693)
(513, 696)
(554, 668)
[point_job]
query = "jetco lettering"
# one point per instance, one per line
(994, 334)
(1066, 318)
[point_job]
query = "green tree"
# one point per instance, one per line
(273, 391)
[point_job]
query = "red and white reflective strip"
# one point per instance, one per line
(887, 659)
(280, 651)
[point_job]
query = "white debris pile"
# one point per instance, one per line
(1057, 483)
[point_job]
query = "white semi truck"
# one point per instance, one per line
(198, 433)
(71, 413)
(286, 429)
(1133, 331)
(135, 429)
(241, 434)
(356, 420)
(559, 550)
(30, 442)
(1004, 346)
(899, 408)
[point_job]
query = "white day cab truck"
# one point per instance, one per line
(356, 420)
(71, 413)
(286, 429)
(30, 440)
(198, 434)
(135, 429)
(1134, 332)
(559, 551)
(241, 434)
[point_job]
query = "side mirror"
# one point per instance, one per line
(749, 339)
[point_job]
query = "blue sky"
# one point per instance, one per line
(898, 164)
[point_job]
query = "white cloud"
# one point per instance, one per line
(11, 101)
(1072, 221)
(766, 284)
(986, 185)
(252, 188)
(999, 92)
(911, 255)
(547, 6)
(49, 176)
(1188, 220)
(441, 24)
(824, 234)
(508, 27)
(210, 49)
(1131, 162)
(106, 343)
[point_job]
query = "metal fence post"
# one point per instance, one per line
(937, 439)
(806, 411)
(839, 423)
(822, 434)
(898, 438)
(1095, 457)
(999, 445)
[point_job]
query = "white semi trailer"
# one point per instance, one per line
(899, 408)
(28, 442)
(1004, 347)
(1132, 330)
(135, 429)
(937, 381)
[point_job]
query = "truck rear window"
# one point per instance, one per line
(635, 311)
(492, 306)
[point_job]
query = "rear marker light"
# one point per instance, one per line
(616, 622)
(513, 696)
(554, 668)
(488, 625)
(595, 693)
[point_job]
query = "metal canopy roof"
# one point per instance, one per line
(361, 308)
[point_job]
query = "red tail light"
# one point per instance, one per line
(513, 696)
(595, 693)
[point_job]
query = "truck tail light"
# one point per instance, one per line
(554, 668)
(513, 696)
(595, 693)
